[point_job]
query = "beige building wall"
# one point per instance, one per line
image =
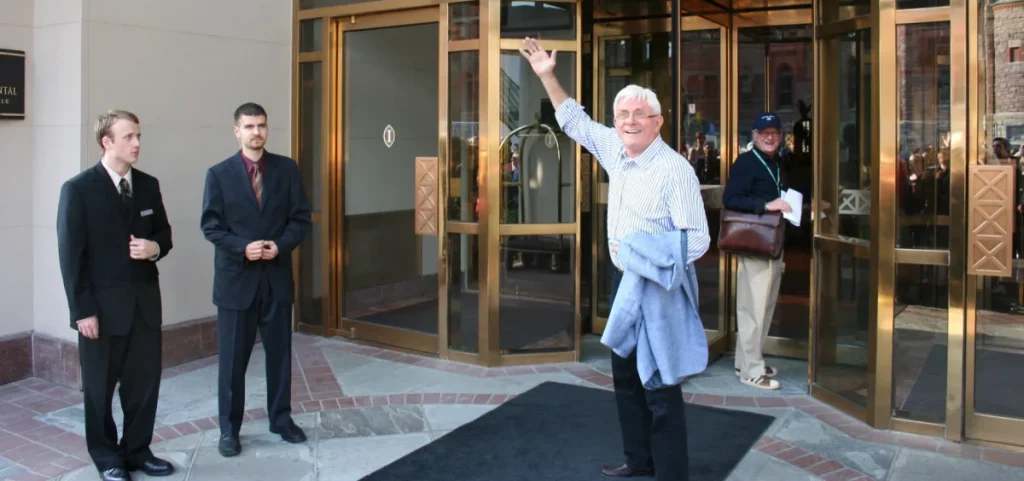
(183, 67)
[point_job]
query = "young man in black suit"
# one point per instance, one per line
(111, 230)
(255, 212)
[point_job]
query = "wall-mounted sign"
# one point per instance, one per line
(12, 84)
(389, 136)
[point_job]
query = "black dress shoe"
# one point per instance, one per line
(115, 474)
(153, 467)
(290, 433)
(624, 471)
(229, 445)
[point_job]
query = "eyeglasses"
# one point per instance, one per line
(636, 115)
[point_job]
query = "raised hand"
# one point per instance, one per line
(541, 62)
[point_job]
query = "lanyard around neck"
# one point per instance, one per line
(778, 184)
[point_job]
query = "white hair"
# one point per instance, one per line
(631, 92)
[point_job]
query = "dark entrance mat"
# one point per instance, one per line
(563, 432)
(995, 388)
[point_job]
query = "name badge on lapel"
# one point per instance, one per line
(146, 212)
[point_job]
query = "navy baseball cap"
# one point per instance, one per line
(767, 120)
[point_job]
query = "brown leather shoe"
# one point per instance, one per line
(624, 471)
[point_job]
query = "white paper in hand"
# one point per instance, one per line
(796, 201)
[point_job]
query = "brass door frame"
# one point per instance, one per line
(602, 32)
(980, 428)
(826, 200)
(777, 346)
(353, 328)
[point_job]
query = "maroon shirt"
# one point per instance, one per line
(248, 168)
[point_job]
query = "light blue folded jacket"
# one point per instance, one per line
(655, 310)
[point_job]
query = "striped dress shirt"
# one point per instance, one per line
(653, 193)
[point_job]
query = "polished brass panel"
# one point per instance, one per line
(923, 257)
(377, 6)
(538, 358)
(996, 429)
(927, 15)
(463, 227)
(795, 16)
(463, 45)
(884, 150)
(845, 405)
(559, 45)
(841, 27)
(844, 245)
(960, 45)
(443, 88)
(990, 220)
(918, 427)
(490, 181)
(416, 341)
(536, 229)
(426, 196)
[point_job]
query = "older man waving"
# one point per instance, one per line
(653, 197)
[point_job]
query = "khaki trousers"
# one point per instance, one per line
(757, 291)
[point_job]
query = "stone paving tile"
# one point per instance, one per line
(808, 433)
(37, 442)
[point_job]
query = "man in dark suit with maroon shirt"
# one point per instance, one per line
(255, 213)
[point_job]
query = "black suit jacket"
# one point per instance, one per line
(231, 220)
(93, 231)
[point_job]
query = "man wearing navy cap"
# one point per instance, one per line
(756, 185)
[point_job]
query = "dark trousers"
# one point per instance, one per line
(653, 422)
(134, 361)
(236, 334)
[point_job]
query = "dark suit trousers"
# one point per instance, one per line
(134, 360)
(236, 334)
(653, 422)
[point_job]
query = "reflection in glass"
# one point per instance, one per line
(920, 325)
(782, 55)
(390, 273)
(851, 199)
(702, 103)
(463, 292)
(999, 327)
(922, 192)
(841, 348)
(541, 20)
(538, 160)
(311, 277)
(464, 21)
(536, 310)
(641, 59)
(310, 135)
(311, 33)
(776, 73)
(463, 129)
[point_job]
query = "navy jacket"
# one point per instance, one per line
(750, 186)
(231, 220)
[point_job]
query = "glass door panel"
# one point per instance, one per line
(640, 54)
(776, 73)
(842, 243)
(390, 274)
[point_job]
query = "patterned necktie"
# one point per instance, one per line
(257, 183)
(126, 191)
